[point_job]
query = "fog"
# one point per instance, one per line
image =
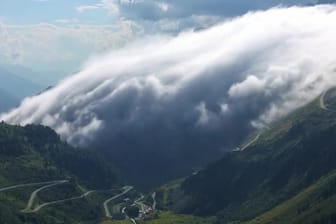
(192, 97)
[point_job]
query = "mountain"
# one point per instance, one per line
(17, 86)
(45, 181)
(33, 157)
(41, 78)
(291, 165)
(13, 88)
(316, 204)
(7, 101)
(285, 174)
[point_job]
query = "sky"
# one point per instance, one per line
(105, 12)
(185, 98)
(40, 34)
(48, 11)
(175, 81)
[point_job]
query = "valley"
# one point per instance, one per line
(167, 112)
(53, 187)
(33, 207)
(213, 195)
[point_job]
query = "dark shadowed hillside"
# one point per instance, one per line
(33, 154)
(289, 159)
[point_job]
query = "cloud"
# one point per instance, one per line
(177, 15)
(112, 6)
(155, 10)
(146, 16)
(184, 100)
(39, 46)
(251, 85)
(84, 8)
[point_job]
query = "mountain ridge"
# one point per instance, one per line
(286, 159)
(17, 86)
(34, 161)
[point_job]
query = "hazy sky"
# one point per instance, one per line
(109, 11)
(40, 34)
(51, 11)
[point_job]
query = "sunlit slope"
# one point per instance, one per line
(315, 204)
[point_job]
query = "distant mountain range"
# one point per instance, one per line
(18, 82)
(17, 86)
(41, 78)
(13, 88)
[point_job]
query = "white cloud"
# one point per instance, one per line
(224, 108)
(251, 85)
(154, 95)
(176, 9)
(84, 8)
(203, 114)
(39, 46)
(112, 6)
(163, 6)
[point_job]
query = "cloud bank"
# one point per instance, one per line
(42, 45)
(154, 10)
(175, 15)
(189, 98)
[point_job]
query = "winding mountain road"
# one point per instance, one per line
(105, 204)
(38, 208)
(139, 199)
(34, 194)
(250, 143)
(25, 185)
(48, 184)
(322, 102)
(154, 201)
(323, 106)
(143, 207)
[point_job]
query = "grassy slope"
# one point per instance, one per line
(286, 159)
(34, 154)
(315, 204)
(168, 218)
(167, 194)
